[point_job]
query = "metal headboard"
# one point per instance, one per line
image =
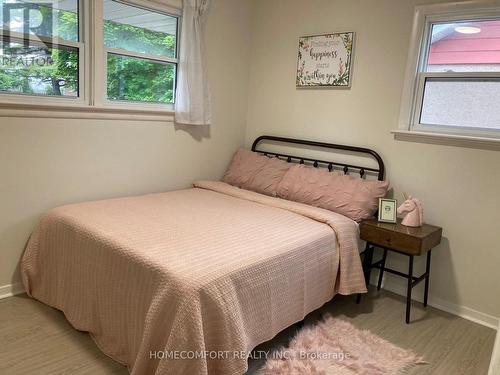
(331, 165)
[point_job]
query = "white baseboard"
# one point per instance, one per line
(495, 357)
(440, 304)
(10, 290)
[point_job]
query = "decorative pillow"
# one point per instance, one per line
(350, 196)
(243, 167)
(252, 171)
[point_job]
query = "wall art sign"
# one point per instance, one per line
(325, 60)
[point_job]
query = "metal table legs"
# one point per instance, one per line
(412, 280)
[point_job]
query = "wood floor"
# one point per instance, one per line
(36, 339)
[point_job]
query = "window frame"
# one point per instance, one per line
(83, 63)
(102, 56)
(416, 76)
(92, 100)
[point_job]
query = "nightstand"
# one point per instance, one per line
(403, 240)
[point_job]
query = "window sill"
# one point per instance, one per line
(85, 112)
(447, 139)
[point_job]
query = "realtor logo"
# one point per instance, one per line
(28, 19)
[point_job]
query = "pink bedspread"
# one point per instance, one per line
(160, 278)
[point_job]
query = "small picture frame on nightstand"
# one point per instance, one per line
(387, 210)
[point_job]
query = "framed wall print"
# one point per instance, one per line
(387, 210)
(325, 60)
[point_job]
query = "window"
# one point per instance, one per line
(141, 49)
(40, 49)
(455, 78)
(119, 54)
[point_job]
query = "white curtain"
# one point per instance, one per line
(192, 100)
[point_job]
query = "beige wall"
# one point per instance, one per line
(45, 162)
(458, 187)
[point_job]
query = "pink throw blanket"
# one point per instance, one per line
(191, 272)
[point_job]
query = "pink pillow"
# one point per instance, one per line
(350, 196)
(252, 171)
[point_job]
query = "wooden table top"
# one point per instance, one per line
(409, 240)
(420, 232)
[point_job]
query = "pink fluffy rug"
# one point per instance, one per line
(336, 347)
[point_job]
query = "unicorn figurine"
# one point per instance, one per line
(413, 209)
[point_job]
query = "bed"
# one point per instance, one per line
(190, 281)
